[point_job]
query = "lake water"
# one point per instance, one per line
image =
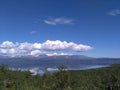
(39, 66)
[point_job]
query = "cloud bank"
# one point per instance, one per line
(61, 20)
(114, 12)
(8, 48)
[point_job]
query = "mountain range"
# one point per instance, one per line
(42, 61)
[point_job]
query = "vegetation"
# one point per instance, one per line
(95, 79)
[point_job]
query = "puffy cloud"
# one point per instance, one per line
(37, 45)
(35, 49)
(8, 52)
(61, 20)
(114, 12)
(7, 44)
(35, 53)
(25, 46)
(59, 45)
(54, 45)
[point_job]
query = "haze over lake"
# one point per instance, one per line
(51, 63)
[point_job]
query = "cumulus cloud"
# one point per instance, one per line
(59, 45)
(35, 49)
(25, 46)
(37, 45)
(61, 20)
(7, 44)
(35, 52)
(114, 12)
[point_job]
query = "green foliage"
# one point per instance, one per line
(95, 79)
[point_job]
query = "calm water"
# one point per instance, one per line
(38, 66)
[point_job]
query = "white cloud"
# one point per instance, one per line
(50, 22)
(7, 44)
(35, 49)
(58, 54)
(35, 53)
(61, 20)
(34, 71)
(33, 32)
(59, 45)
(114, 12)
(8, 52)
(25, 46)
(52, 69)
(37, 45)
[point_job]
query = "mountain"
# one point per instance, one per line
(46, 57)
(71, 61)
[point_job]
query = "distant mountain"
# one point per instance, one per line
(41, 57)
(72, 61)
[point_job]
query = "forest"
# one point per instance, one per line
(107, 78)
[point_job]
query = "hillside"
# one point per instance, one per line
(94, 79)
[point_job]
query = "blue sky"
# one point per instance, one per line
(93, 23)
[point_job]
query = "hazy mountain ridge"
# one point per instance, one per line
(71, 61)
(47, 57)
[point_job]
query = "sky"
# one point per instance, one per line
(60, 27)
